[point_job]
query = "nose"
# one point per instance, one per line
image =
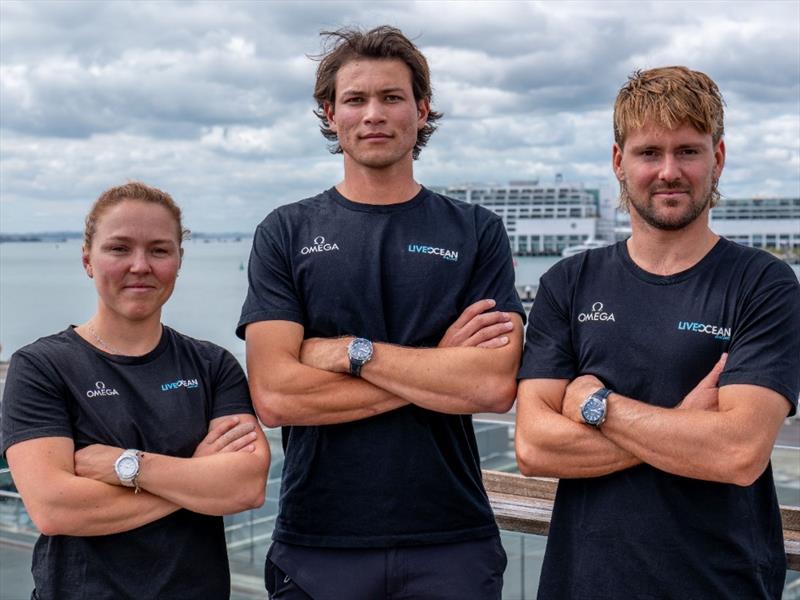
(373, 112)
(670, 169)
(141, 263)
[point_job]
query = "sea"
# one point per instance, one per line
(43, 289)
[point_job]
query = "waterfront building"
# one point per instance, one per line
(769, 223)
(543, 219)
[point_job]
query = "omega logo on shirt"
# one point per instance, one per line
(597, 314)
(320, 245)
(101, 390)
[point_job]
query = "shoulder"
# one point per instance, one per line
(473, 211)
(52, 348)
(757, 268)
(204, 349)
(568, 271)
(293, 211)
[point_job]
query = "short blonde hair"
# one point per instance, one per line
(669, 97)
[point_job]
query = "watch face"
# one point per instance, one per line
(593, 410)
(127, 467)
(360, 350)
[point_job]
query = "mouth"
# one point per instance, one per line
(376, 136)
(139, 287)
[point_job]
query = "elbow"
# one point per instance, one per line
(268, 405)
(526, 458)
(747, 467)
(48, 522)
(500, 394)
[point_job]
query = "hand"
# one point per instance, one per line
(326, 354)
(705, 395)
(97, 462)
(577, 391)
(227, 436)
(479, 328)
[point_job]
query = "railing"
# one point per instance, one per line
(525, 504)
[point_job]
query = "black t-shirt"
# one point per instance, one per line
(399, 274)
(641, 532)
(162, 402)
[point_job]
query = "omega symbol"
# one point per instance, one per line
(319, 240)
(597, 307)
(100, 385)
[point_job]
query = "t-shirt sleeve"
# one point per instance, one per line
(765, 344)
(271, 292)
(34, 404)
(549, 352)
(493, 275)
(231, 393)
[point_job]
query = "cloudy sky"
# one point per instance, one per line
(211, 101)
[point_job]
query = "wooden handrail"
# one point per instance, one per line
(525, 504)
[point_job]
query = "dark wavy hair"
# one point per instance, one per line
(343, 45)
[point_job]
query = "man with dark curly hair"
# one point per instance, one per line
(380, 316)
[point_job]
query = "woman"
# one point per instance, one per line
(126, 439)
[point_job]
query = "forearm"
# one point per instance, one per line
(84, 507)
(550, 445)
(714, 445)
(450, 380)
(297, 394)
(215, 485)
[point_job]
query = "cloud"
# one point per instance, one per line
(213, 100)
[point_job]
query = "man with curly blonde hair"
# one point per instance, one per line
(657, 373)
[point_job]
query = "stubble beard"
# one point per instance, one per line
(649, 214)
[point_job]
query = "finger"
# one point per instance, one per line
(485, 320)
(234, 434)
(712, 379)
(218, 430)
(497, 342)
(488, 332)
(239, 443)
(473, 310)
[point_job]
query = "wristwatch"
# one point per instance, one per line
(359, 351)
(127, 468)
(595, 407)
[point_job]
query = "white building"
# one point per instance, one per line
(542, 219)
(772, 223)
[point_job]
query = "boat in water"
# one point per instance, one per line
(588, 244)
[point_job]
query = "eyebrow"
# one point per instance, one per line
(357, 92)
(123, 238)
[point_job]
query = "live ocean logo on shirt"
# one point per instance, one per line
(718, 331)
(175, 385)
(425, 249)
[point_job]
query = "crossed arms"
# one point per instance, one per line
(718, 434)
(78, 493)
(297, 382)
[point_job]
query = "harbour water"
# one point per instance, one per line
(43, 288)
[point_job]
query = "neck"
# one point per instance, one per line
(668, 252)
(388, 185)
(116, 335)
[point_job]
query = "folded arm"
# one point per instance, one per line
(548, 444)
(216, 483)
(731, 443)
(61, 503)
(457, 378)
(78, 493)
(297, 382)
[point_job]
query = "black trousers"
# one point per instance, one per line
(461, 571)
